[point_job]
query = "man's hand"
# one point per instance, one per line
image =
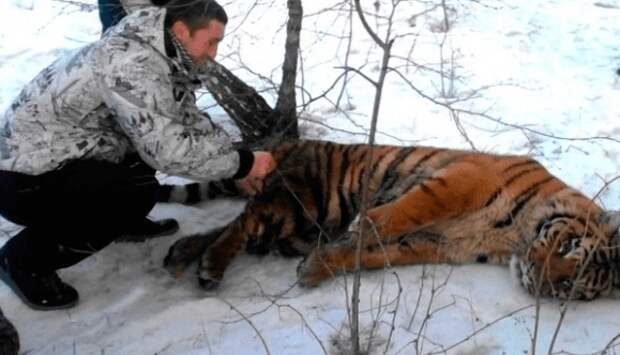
(263, 165)
(253, 182)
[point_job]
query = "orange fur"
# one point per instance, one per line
(428, 205)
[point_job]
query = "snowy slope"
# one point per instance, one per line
(548, 65)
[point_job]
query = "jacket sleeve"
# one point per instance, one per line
(170, 135)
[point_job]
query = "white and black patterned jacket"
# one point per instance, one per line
(121, 94)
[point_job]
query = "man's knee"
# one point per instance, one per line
(83, 192)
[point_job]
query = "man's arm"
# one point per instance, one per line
(136, 84)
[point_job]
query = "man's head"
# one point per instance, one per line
(198, 25)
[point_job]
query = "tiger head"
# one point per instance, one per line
(572, 258)
(256, 232)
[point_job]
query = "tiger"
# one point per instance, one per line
(425, 205)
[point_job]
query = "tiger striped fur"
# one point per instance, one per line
(427, 205)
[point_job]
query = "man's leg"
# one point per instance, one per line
(69, 214)
(110, 13)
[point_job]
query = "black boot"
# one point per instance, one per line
(147, 229)
(40, 291)
(9, 339)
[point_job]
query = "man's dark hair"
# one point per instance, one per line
(195, 14)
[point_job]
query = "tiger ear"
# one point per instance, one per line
(610, 219)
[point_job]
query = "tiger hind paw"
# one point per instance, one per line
(313, 270)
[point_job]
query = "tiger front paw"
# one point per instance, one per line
(186, 250)
(207, 282)
(180, 255)
(209, 277)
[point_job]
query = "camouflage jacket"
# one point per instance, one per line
(120, 94)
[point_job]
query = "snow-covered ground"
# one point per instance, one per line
(548, 66)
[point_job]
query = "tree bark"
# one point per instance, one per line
(242, 103)
(260, 125)
(286, 106)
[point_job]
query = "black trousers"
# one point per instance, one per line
(72, 212)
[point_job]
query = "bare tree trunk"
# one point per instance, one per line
(286, 106)
(258, 122)
(386, 46)
(242, 103)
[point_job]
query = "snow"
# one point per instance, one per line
(547, 65)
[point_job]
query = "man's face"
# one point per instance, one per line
(202, 44)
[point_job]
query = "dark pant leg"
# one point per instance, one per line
(75, 211)
(110, 13)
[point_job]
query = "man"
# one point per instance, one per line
(80, 144)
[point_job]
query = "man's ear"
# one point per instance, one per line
(180, 31)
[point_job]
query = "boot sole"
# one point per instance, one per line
(7, 279)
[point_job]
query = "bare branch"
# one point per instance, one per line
(480, 330)
(610, 344)
(360, 73)
(84, 6)
(258, 333)
(347, 55)
(370, 31)
(394, 313)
